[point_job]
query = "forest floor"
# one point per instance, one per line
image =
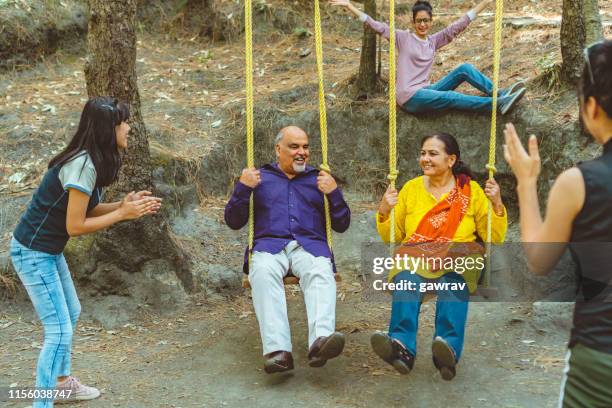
(208, 353)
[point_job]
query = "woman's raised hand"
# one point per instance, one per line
(135, 206)
(349, 6)
(481, 6)
(526, 166)
(388, 201)
(343, 3)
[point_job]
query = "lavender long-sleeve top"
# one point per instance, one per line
(287, 209)
(415, 56)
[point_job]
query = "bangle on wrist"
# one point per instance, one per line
(499, 210)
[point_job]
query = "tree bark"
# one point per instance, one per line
(110, 71)
(367, 78)
(592, 22)
(573, 38)
(206, 15)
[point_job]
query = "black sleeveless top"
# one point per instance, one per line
(591, 248)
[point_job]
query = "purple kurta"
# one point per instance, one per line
(287, 210)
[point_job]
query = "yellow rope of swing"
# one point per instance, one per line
(248, 39)
(248, 28)
(497, 47)
(393, 172)
(322, 114)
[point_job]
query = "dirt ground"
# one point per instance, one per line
(208, 353)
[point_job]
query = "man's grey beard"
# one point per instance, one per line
(299, 168)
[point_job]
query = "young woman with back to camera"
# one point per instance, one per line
(577, 216)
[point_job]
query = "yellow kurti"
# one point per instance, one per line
(414, 202)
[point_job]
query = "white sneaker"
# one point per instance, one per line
(79, 392)
(512, 89)
(513, 101)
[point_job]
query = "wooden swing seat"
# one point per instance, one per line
(287, 280)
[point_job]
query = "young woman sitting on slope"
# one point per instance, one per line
(416, 53)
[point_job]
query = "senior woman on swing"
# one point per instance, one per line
(438, 215)
(416, 54)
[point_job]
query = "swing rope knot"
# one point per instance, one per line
(393, 176)
(491, 167)
(324, 167)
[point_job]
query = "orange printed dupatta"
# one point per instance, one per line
(434, 234)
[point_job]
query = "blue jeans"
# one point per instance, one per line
(451, 312)
(442, 95)
(47, 279)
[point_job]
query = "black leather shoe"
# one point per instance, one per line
(325, 348)
(444, 358)
(392, 352)
(278, 362)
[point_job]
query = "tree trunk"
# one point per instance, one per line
(573, 37)
(367, 79)
(592, 22)
(110, 71)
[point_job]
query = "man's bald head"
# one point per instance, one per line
(292, 150)
(289, 130)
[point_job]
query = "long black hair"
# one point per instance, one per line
(599, 85)
(421, 5)
(460, 169)
(96, 135)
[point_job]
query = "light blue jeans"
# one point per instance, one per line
(47, 279)
(451, 312)
(442, 95)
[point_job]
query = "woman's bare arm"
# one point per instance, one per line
(79, 223)
(544, 239)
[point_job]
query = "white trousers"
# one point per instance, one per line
(317, 283)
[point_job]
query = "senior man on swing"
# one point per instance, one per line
(290, 236)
